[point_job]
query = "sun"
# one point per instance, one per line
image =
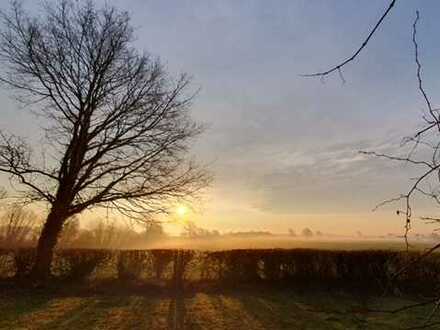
(181, 210)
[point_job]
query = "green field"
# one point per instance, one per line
(244, 309)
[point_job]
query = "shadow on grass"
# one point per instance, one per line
(75, 306)
(134, 306)
(177, 312)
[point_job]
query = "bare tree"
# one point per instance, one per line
(118, 128)
(106, 233)
(424, 147)
(307, 232)
(154, 231)
(69, 234)
(423, 153)
(17, 226)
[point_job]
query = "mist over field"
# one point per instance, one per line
(20, 228)
(281, 242)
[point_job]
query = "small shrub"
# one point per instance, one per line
(24, 260)
(131, 264)
(160, 260)
(80, 264)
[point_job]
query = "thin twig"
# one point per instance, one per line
(419, 72)
(356, 53)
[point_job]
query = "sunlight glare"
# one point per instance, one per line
(181, 210)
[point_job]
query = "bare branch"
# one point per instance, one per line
(339, 66)
(424, 137)
(397, 158)
(419, 72)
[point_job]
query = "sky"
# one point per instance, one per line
(284, 149)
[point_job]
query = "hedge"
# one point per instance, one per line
(372, 269)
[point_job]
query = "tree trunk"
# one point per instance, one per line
(46, 244)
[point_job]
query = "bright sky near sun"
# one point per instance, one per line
(284, 149)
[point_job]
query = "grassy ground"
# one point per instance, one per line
(245, 309)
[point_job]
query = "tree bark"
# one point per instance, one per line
(46, 244)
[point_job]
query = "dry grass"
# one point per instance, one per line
(245, 309)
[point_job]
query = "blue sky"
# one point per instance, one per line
(284, 149)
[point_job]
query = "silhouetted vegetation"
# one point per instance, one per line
(18, 227)
(307, 232)
(372, 269)
(117, 128)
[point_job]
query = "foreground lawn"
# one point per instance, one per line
(244, 309)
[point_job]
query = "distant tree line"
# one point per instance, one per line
(20, 227)
(306, 232)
